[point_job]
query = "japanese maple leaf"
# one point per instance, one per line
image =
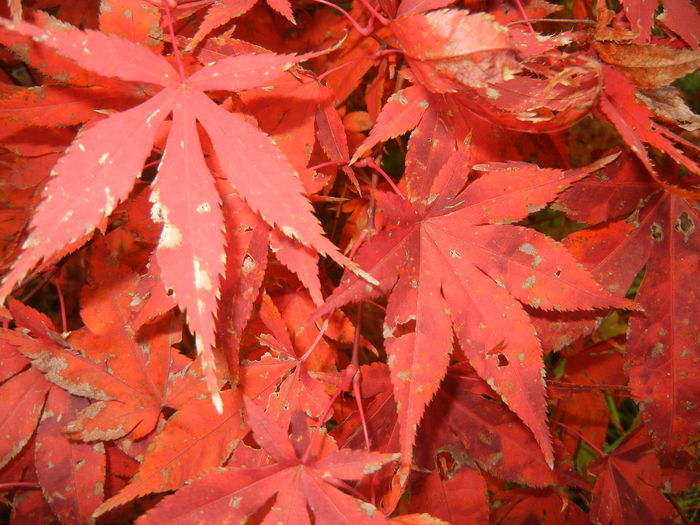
(451, 260)
(144, 373)
(465, 419)
(131, 373)
(279, 378)
(71, 474)
(581, 399)
(104, 161)
(23, 391)
(296, 480)
(661, 237)
(628, 483)
(633, 120)
(680, 16)
(471, 60)
(222, 12)
(453, 492)
(533, 505)
(448, 49)
(193, 440)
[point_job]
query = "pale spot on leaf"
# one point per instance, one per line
(204, 207)
(528, 248)
(249, 264)
(202, 279)
(529, 282)
(170, 237)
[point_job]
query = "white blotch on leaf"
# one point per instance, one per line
(204, 207)
(109, 202)
(202, 279)
(528, 249)
(31, 242)
(159, 213)
(529, 282)
(290, 232)
(369, 509)
(170, 237)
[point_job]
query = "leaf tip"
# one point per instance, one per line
(550, 462)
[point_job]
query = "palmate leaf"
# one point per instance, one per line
(452, 261)
(233, 494)
(104, 161)
(132, 374)
(448, 49)
(222, 12)
(71, 473)
(659, 237)
(633, 120)
(627, 487)
(192, 441)
(660, 354)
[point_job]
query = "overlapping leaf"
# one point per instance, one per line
(233, 494)
(280, 378)
(660, 354)
(195, 430)
(449, 49)
(628, 483)
(111, 164)
(464, 282)
(72, 474)
(449, 260)
(633, 120)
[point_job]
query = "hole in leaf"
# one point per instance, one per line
(446, 465)
(405, 328)
(167, 412)
(490, 398)
(685, 225)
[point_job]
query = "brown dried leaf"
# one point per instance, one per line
(649, 66)
(668, 105)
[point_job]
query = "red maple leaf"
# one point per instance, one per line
(451, 259)
(71, 473)
(111, 420)
(105, 160)
(280, 378)
(660, 237)
(296, 479)
(627, 487)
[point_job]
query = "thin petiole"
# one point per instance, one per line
(373, 165)
(525, 17)
(375, 13)
(62, 302)
(364, 31)
(173, 42)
